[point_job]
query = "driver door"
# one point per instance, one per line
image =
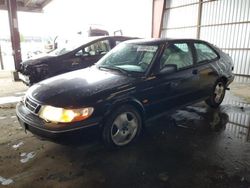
(168, 90)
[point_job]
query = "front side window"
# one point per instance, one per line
(204, 53)
(129, 57)
(97, 48)
(178, 54)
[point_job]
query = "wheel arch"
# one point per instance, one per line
(133, 102)
(224, 79)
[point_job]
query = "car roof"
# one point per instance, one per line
(108, 37)
(157, 41)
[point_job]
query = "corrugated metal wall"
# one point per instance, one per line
(225, 23)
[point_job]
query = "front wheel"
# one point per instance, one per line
(217, 95)
(122, 127)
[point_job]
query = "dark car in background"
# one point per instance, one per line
(135, 82)
(71, 56)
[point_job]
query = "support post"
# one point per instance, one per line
(199, 19)
(1, 59)
(157, 17)
(15, 38)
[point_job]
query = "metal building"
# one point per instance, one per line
(225, 23)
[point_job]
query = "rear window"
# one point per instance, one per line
(204, 53)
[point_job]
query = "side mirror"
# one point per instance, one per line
(168, 69)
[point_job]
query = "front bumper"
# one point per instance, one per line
(38, 126)
(24, 78)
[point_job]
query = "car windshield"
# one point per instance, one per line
(64, 50)
(67, 45)
(128, 57)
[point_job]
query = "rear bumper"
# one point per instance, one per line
(38, 126)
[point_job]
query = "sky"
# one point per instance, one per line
(64, 17)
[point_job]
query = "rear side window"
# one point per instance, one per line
(204, 53)
(178, 54)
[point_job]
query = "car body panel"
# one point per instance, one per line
(82, 84)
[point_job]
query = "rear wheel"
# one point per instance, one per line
(122, 127)
(217, 95)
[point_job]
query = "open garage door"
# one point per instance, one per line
(225, 23)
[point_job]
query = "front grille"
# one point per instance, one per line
(31, 105)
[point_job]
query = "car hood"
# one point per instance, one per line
(39, 60)
(77, 88)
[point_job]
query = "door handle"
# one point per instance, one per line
(195, 71)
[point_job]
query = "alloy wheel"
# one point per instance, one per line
(124, 128)
(219, 92)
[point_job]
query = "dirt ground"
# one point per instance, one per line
(196, 147)
(8, 87)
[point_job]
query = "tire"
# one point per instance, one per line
(122, 127)
(217, 95)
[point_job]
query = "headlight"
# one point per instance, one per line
(54, 114)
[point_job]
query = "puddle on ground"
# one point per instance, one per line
(25, 157)
(233, 117)
(2, 117)
(184, 114)
(5, 181)
(197, 109)
(16, 146)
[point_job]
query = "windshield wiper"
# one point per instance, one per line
(114, 68)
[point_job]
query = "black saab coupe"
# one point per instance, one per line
(135, 82)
